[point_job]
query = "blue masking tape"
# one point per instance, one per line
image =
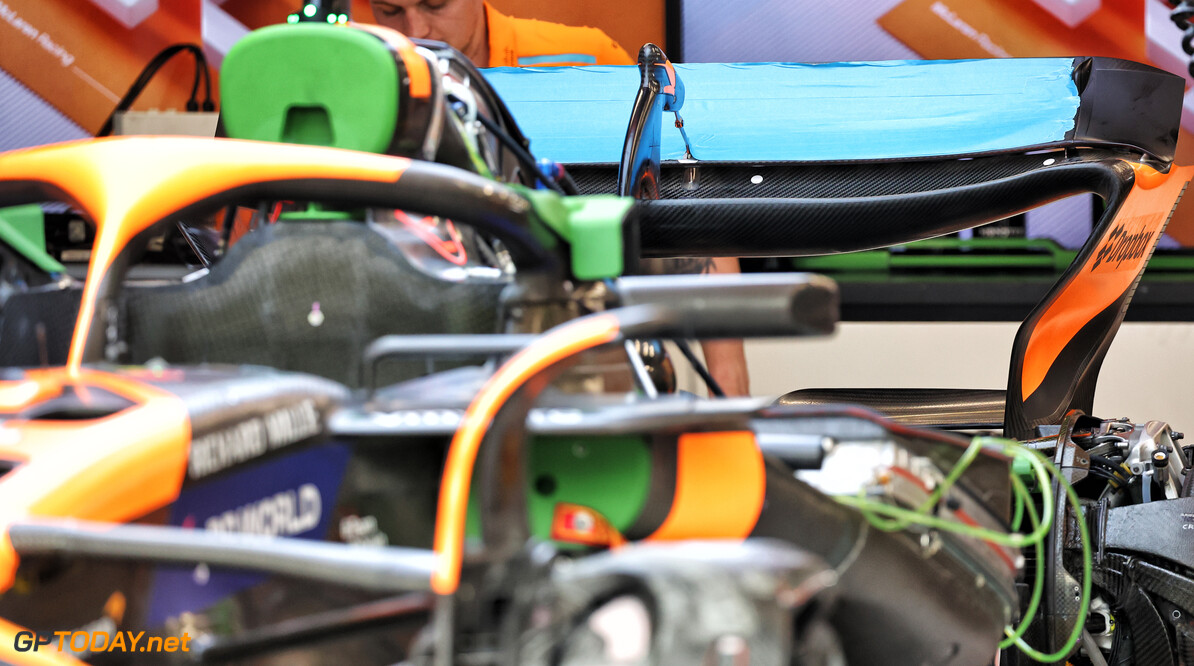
(800, 112)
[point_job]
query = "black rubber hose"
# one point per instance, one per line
(151, 70)
(524, 157)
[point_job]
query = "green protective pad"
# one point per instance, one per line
(312, 84)
(592, 225)
(610, 475)
(23, 229)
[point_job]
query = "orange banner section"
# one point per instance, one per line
(720, 483)
(82, 59)
(948, 29)
(1107, 274)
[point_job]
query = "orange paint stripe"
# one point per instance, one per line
(1145, 210)
(416, 67)
(670, 88)
(111, 469)
(566, 341)
(48, 655)
(126, 184)
(720, 485)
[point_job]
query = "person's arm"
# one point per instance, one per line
(726, 359)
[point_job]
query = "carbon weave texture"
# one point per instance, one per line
(913, 406)
(256, 305)
(810, 226)
(725, 180)
(36, 327)
(1150, 640)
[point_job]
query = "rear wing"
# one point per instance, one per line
(757, 113)
(798, 160)
(1061, 345)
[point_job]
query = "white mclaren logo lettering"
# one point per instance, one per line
(250, 439)
(286, 513)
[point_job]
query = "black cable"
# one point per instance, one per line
(524, 157)
(1181, 15)
(143, 80)
(568, 185)
(201, 70)
(714, 387)
(1110, 469)
(1105, 473)
(1105, 461)
(157, 62)
(229, 222)
(201, 62)
(260, 217)
(151, 69)
(1115, 481)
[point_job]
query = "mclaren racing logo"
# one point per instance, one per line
(1123, 244)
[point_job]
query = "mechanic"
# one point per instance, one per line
(485, 35)
(492, 39)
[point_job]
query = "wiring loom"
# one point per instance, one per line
(890, 518)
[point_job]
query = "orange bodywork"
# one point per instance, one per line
(115, 468)
(34, 385)
(670, 88)
(720, 483)
(416, 67)
(1102, 280)
(554, 347)
(576, 523)
(127, 184)
(720, 476)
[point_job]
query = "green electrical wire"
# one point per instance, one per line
(981, 533)
(869, 507)
(1024, 499)
(872, 509)
(1018, 512)
(959, 468)
(1084, 602)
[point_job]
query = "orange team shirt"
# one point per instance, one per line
(517, 42)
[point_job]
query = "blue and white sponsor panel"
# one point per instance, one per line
(291, 496)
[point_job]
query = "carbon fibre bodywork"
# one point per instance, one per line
(324, 496)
